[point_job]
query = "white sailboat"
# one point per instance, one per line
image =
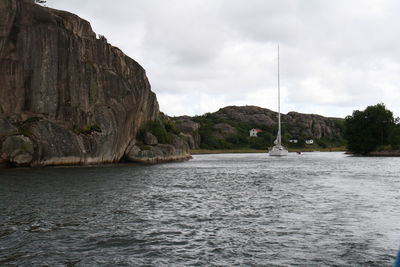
(278, 149)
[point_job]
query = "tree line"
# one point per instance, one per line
(372, 129)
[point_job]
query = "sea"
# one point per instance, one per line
(313, 209)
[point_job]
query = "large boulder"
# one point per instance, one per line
(177, 150)
(150, 139)
(156, 154)
(17, 150)
(190, 141)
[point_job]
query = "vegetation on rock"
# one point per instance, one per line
(214, 138)
(229, 128)
(163, 129)
(89, 129)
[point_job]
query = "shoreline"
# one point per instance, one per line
(233, 151)
(377, 154)
(384, 153)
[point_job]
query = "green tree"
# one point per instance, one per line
(369, 129)
(394, 137)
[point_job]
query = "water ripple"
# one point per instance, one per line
(317, 209)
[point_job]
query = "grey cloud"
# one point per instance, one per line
(203, 54)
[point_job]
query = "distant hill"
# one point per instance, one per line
(229, 127)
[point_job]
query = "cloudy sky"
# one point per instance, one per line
(201, 55)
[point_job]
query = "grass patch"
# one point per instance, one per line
(87, 129)
(25, 131)
(24, 127)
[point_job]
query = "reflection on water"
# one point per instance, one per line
(224, 210)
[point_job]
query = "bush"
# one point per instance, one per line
(170, 127)
(158, 130)
(322, 143)
(163, 129)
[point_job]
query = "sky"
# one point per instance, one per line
(202, 55)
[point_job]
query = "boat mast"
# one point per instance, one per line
(279, 107)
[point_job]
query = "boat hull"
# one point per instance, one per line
(278, 151)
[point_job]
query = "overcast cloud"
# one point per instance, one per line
(201, 55)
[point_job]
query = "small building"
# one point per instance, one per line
(309, 142)
(254, 132)
(293, 140)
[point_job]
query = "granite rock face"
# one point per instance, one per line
(222, 130)
(190, 130)
(310, 125)
(249, 114)
(78, 99)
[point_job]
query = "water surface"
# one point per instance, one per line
(315, 209)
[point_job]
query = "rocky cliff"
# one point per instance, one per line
(229, 128)
(67, 96)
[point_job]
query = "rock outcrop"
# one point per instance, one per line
(190, 129)
(66, 96)
(249, 114)
(297, 124)
(176, 151)
(231, 125)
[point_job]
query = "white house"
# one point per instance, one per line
(309, 142)
(254, 132)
